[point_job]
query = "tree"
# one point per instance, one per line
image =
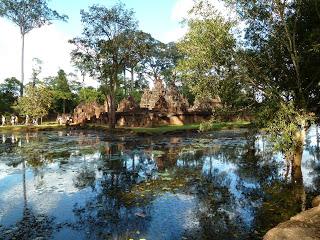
(61, 91)
(280, 59)
(103, 46)
(28, 14)
(137, 49)
(36, 102)
(90, 94)
(156, 60)
(9, 91)
(208, 65)
(170, 74)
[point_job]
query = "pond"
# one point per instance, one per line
(93, 185)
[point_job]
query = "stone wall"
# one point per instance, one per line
(164, 100)
(147, 118)
(86, 111)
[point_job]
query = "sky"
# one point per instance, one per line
(161, 18)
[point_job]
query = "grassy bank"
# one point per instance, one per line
(215, 126)
(190, 127)
(32, 128)
(167, 129)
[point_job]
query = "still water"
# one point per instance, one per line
(92, 185)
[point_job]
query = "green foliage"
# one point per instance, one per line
(159, 61)
(279, 57)
(61, 86)
(90, 94)
(64, 98)
(278, 62)
(9, 91)
(136, 94)
(282, 122)
(214, 125)
(105, 45)
(208, 47)
(209, 65)
(36, 102)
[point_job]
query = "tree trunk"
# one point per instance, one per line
(22, 66)
(296, 172)
(125, 82)
(112, 112)
(111, 98)
(300, 137)
(318, 143)
(64, 106)
(132, 80)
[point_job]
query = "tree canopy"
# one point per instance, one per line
(36, 102)
(105, 46)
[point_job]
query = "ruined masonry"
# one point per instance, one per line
(158, 106)
(170, 101)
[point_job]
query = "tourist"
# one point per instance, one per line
(59, 120)
(27, 119)
(16, 121)
(3, 120)
(12, 120)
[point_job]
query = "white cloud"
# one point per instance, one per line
(180, 12)
(174, 35)
(48, 43)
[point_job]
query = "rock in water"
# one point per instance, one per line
(303, 226)
(316, 201)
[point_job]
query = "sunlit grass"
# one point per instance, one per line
(47, 126)
(22, 128)
(165, 129)
(214, 126)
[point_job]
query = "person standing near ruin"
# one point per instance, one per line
(12, 120)
(3, 120)
(27, 120)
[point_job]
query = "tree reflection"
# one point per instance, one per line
(240, 186)
(31, 225)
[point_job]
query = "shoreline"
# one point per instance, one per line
(144, 131)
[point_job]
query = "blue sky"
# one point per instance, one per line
(50, 44)
(154, 16)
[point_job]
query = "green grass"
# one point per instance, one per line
(215, 126)
(189, 127)
(165, 129)
(47, 126)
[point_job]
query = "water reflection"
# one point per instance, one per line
(87, 185)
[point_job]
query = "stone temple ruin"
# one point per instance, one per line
(158, 106)
(170, 101)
